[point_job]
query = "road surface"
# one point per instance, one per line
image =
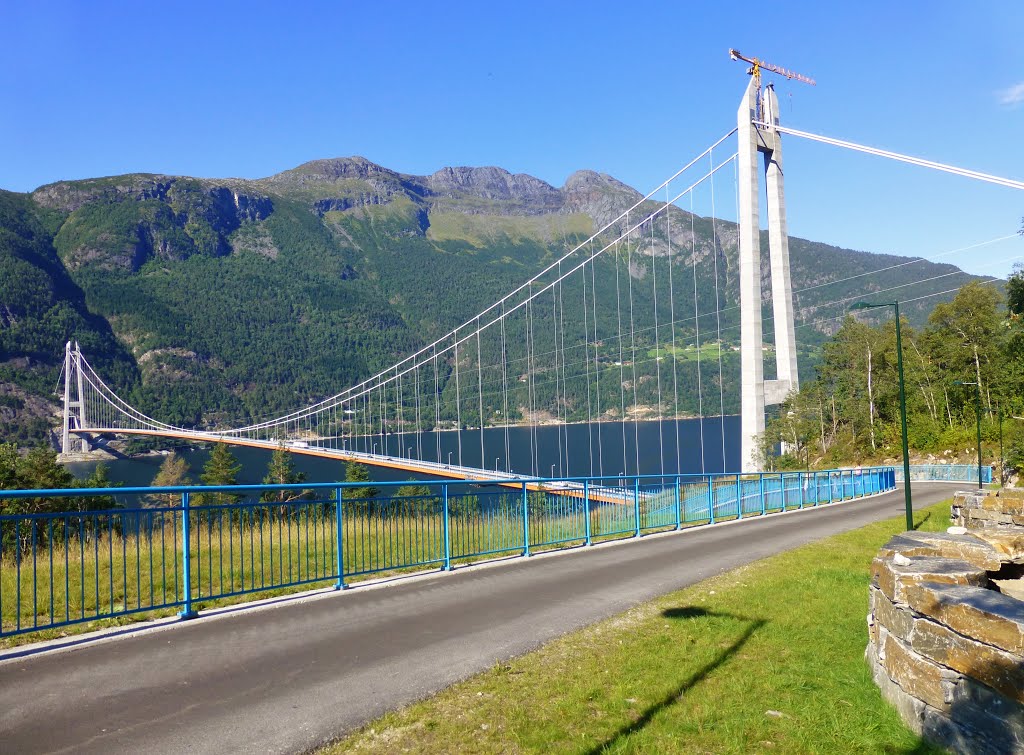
(291, 676)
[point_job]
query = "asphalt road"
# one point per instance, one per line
(291, 676)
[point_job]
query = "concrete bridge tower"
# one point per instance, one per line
(756, 392)
(74, 401)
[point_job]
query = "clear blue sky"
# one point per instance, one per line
(633, 89)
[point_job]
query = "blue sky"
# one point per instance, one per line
(630, 89)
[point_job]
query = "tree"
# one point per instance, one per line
(173, 471)
(1015, 291)
(355, 472)
(966, 335)
(100, 478)
(39, 470)
(281, 471)
(221, 468)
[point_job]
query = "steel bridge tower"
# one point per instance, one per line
(757, 116)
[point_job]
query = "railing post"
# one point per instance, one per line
(526, 523)
(764, 506)
(447, 532)
(679, 504)
(187, 612)
(586, 512)
(830, 490)
(739, 498)
(817, 489)
(800, 487)
(636, 505)
(711, 502)
(339, 524)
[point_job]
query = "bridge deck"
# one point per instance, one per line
(416, 466)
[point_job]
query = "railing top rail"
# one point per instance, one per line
(256, 488)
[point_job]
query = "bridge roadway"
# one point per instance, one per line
(431, 468)
(293, 675)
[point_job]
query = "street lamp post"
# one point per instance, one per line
(908, 498)
(977, 417)
(496, 460)
(449, 458)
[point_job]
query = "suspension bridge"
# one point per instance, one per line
(627, 326)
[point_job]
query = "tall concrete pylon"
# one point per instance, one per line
(74, 406)
(756, 392)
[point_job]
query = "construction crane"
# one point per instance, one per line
(757, 65)
(755, 71)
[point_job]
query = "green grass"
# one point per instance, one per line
(765, 658)
(690, 353)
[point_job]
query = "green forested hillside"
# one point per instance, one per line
(968, 358)
(206, 302)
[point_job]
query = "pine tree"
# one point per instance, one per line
(355, 472)
(173, 471)
(281, 471)
(100, 478)
(221, 468)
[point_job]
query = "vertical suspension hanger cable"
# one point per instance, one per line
(632, 348)
(672, 321)
(565, 387)
(718, 307)
(597, 369)
(400, 412)
(458, 398)
(504, 388)
(696, 324)
(560, 394)
(419, 428)
(437, 408)
(657, 348)
(622, 369)
(554, 359)
(383, 418)
(586, 362)
(480, 392)
(529, 381)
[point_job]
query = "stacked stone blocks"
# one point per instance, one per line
(946, 634)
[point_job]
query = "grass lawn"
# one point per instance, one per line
(766, 658)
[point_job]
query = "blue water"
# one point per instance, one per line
(605, 449)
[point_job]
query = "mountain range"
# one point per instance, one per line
(206, 301)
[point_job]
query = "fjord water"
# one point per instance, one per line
(607, 448)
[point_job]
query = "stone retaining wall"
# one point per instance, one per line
(946, 632)
(980, 511)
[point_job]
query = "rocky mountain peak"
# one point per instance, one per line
(598, 195)
(333, 170)
(526, 194)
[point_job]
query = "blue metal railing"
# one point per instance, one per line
(945, 472)
(204, 544)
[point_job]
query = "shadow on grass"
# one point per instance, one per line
(685, 612)
(920, 523)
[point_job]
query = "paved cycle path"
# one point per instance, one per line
(291, 676)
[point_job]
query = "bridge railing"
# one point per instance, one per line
(946, 472)
(77, 557)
